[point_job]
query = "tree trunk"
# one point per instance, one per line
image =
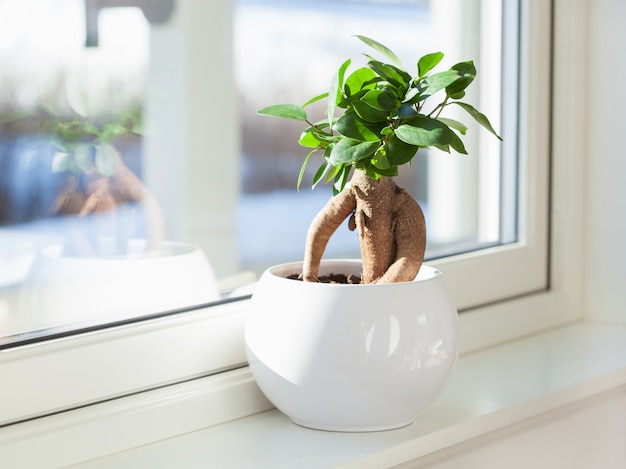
(105, 194)
(390, 225)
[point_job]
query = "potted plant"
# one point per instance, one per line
(370, 356)
(114, 262)
(98, 183)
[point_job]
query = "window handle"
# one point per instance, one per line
(155, 11)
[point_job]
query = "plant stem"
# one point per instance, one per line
(440, 106)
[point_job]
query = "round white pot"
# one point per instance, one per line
(62, 289)
(351, 357)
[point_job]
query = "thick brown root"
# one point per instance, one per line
(390, 225)
(106, 194)
(410, 238)
(127, 188)
(321, 229)
(99, 197)
(71, 198)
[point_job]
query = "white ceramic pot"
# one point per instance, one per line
(351, 357)
(62, 289)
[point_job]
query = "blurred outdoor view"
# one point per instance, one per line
(60, 184)
(48, 78)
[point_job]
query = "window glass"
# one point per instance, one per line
(71, 105)
(105, 153)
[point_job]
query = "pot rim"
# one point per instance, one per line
(280, 272)
(138, 251)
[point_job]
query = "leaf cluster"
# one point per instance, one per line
(84, 146)
(387, 116)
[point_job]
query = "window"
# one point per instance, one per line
(199, 203)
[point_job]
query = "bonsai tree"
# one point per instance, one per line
(84, 151)
(96, 181)
(388, 115)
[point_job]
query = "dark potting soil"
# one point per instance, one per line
(332, 278)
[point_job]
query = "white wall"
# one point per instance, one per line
(606, 190)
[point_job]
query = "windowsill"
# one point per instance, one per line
(490, 389)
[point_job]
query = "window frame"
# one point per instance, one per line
(52, 376)
(525, 260)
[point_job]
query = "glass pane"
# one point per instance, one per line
(75, 218)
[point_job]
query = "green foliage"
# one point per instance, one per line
(385, 121)
(84, 146)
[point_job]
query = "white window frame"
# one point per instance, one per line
(56, 375)
(526, 260)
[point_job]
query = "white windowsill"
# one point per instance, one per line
(489, 390)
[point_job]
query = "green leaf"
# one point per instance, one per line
(91, 128)
(382, 49)
(303, 168)
(104, 159)
(309, 139)
(61, 162)
(372, 172)
(315, 99)
(467, 73)
(9, 116)
(334, 95)
(112, 131)
(313, 137)
(322, 170)
(412, 93)
(399, 152)
(456, 143)
(406, 111)
(380, 100)
(396, 92)
(368, 113)
(459, 95)
(83, 157)
(428, 62)
(437, 82)
(392, 75)
(350, 125)
(380, 160)
(423, 131)
(456, 125)
(341, 179)
(285, 111)
(133, 119)
(390, 172)
(330, 175)
(478, 117)
(348, 150)
(74, 131)
(361, 79)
